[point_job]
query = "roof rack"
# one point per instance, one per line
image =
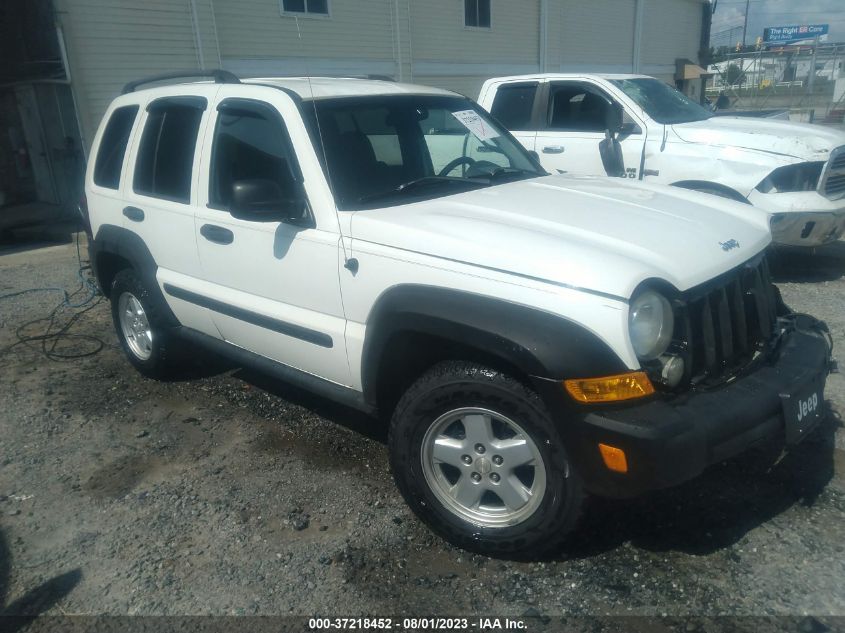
(220, 76)
(325, 76)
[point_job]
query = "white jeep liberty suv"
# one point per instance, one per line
(532, 338)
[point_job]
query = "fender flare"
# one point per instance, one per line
(538, 343)
(122, 242)
(717, 189)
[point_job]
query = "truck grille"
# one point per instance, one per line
(729, 320)
(832, 183)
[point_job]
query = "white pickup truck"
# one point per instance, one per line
(639, 127)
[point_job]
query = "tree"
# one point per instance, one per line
(734, 75)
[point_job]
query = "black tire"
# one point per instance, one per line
(162, 361)
(454, 385)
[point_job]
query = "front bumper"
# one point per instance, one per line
(802, 218)
(807, 228)
(669, 441)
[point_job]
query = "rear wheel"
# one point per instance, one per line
(477, 457)
(145, 340)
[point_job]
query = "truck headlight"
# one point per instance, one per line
(650, 324)
(791, 178)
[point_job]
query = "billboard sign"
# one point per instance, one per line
(788, 34)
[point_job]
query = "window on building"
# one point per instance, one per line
(577, 109)
(250, 143)
(514, 104)
(477, 13)
(166, 154)
(109, 161)
(315, 7)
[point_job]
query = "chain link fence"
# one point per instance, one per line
(803, 83)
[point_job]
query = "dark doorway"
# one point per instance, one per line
(41, 158)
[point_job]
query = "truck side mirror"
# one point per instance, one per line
(614, 119)
(610, 150)
(536, 158)
(263, 200)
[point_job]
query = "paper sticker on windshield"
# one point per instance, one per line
(475, 124)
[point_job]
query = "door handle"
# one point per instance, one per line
(217, 234)
(134, 213)
(553, 149)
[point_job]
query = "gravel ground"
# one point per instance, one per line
(224, 493)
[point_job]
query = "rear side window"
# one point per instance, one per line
(112, 149)
(514, 104)
(250, 142)
(166, 153)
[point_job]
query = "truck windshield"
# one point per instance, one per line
(386, 150)
(661, 102)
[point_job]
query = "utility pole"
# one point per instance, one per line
(742, 59)
(745, 24)
(811, 79)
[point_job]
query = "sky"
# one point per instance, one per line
(763, 13)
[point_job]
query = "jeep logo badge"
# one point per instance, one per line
(729, 245)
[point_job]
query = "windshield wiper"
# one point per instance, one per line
(509, 172)
(426, 181)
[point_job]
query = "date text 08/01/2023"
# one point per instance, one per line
(417, 624)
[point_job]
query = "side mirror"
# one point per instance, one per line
(614, 120)
(263, 200)
(535, 157)
(610, 151)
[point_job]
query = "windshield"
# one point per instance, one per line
(661, 102)
(385, 150)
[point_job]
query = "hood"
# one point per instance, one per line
(797, 140)
(597, 234)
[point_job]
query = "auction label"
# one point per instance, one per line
(412, 625)
(475, 124)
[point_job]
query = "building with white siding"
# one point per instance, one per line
(454, 44)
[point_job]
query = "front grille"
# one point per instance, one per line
(728, 320)
(832, 183)
(835, 185)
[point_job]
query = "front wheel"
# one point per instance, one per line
(478, 458)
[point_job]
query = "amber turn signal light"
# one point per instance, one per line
(614, 458)
(610, 388)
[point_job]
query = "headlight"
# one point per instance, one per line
(650, 324)
(791, 178)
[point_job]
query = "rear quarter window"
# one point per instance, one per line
(165, 159)
(513, 105)
(109, 161)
